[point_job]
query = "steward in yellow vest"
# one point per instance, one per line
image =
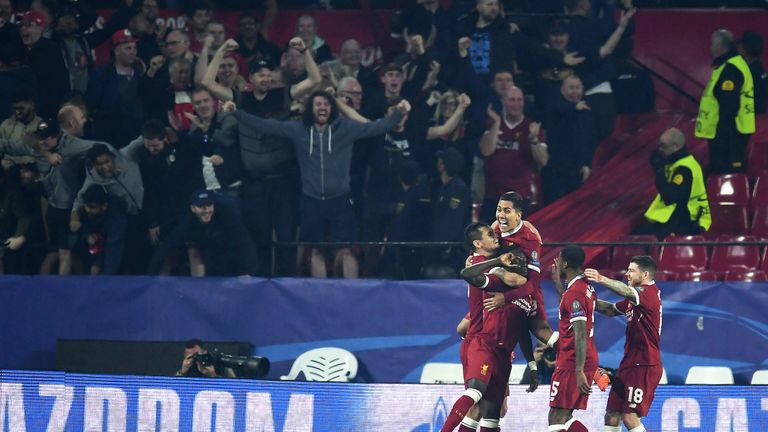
(680, 206)
(727, 107)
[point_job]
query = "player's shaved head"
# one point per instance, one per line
(573, 257)
(645, 264)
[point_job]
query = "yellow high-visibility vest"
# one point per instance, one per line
(698, 204)
(709, 108)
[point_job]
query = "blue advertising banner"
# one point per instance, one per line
(393, 327)
(58, 402)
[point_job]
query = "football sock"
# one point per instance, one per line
(574, 425)
(640, 428)
(468, 425)
(460, 408)
(489, 425)
(612, 428)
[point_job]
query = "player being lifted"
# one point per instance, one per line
(513, 230)
(485, 352)
(640, 370)
(576, 351)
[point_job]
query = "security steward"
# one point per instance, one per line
(452, 210)
(727, 107)
(681, 206)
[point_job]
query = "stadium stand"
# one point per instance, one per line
(710, 375)
(324, 364)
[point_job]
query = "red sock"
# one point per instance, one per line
(460, 409)
(468, 425)
(574, 425)
(489, 425)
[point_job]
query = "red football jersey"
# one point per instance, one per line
(475, 296)
(511, 166)
(529, 242)
(577, 304)
(643, 327)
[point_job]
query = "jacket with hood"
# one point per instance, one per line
(126, 186)
(324, 157)
(60, 182)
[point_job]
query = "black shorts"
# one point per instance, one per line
(58, 228)
(328, 220)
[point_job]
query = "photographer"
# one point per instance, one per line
(197, 364)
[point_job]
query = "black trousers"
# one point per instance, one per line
(728, 151)
(270, 205)
(604, 114)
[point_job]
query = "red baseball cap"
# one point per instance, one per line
(34, 17)
(121, 37)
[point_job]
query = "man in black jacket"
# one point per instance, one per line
(571, 141)
(492, 46)
(170, 172)
(214, 236)
(44, 57)
(113, 93)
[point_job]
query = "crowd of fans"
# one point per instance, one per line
(135, 166)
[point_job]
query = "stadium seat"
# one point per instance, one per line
(621, 255)
(663, 380)
(734, 257)
(727, 218)
(696, 276)
(728, 189)
(324, 364)
(759, 227)
(760, 194)
(760, 377)
(757, 155)
(664, 276)
(709, 375)
(683, 258)
(517, 374)
(442, 373)
(740, 275)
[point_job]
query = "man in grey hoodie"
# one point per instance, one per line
(323, 144)
(59, 160)
(120, 178)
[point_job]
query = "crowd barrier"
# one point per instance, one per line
(393, 327)
(54, 401)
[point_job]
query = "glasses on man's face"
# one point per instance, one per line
(247, 23)
(172, 43)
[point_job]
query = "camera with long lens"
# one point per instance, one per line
(248, 367)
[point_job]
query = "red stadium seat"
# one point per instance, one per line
(735, 257)
(663, 275)
(746, 276)
(683, 258)
(759, 226)
(760, 195)
(757, 157)
(696, 276)
(621, 255)
(727, 219)
(728, 188)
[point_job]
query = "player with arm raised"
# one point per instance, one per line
(484, 353)
(576, 351)
(640, 370)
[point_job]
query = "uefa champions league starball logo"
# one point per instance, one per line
(439, 415)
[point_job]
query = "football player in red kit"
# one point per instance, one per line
(576, 352)
(485, 352)
(640, 370)
(513, 230)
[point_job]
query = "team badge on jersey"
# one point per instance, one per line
(455, 203)
(484, 369)
(728, 85)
